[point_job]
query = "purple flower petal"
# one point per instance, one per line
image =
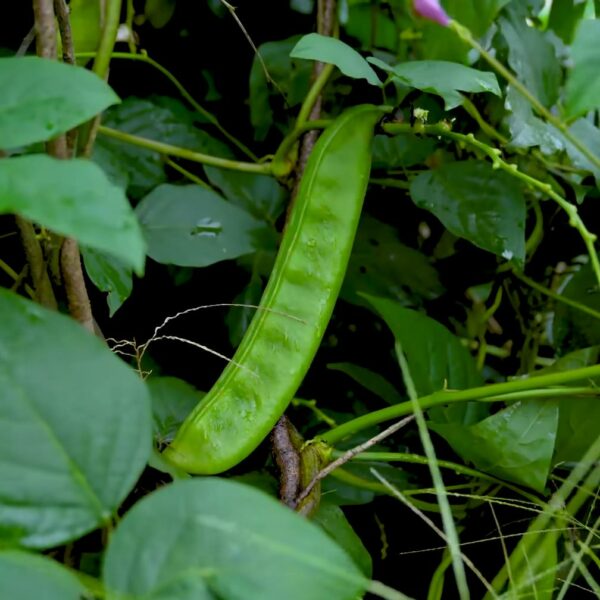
(431, 9)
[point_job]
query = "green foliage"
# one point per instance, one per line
(71, 461)
(478, 203)
(472, 263)
(41, 99)
(192, 226)
(74, 198)
(197, 527)
(446, 79)
(329, 50)
(23, 575)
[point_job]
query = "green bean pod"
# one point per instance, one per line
(254, 390)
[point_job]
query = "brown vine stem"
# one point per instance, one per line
(44, 293)
(325, 26)
(70, 260)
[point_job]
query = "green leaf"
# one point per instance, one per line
(333, 521)
(477, 15)
(381, 265)
(446, 79)
(374, 382)
(159, 12)
(86, 26)
(564, 18)
(75, 426)
(108, 275)
(478, 203)
(191, 226)
(573, 329)
(26, 576)
(172, 401)
(226, 537)
(401, 151)
(578, 416)
(291, 76)
(583, 83)
(314, 46)
(73, 198)
(436, 359)
(533, 58)
(515, 444)
(259, 195)
(42, 98)
(160, 119)
(371, 25)
(526, 129)
(586, 132)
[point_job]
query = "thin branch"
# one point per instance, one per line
(44, 294)
(350, 454)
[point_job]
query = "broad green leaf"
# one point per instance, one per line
(564, 18)
(381, 265)
(573, 329)
(441, 43)
(436, 359)
(533, 58)
(578, 416)
(477, 15)
(259, 195)
(372, 26)
(586, 132)
(86, 25)
(526, 129)
(333, 521)
(26, 576)
(172, 401)
(160, 119)
(583, 83)
(42, 98)
(213, 534)
(291, 76)
(75, 426)
(515, 443)
(191, 226)
(476, 202)
(446, 79)
(73, 198)
(108, 275)
(401, 151)
(314, 46)
(577, 428)
(159, 12)
(374, 382)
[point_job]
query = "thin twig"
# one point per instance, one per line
(68, 55)
(350, 454)
(44, 293)
(26, 43)
(268, 77)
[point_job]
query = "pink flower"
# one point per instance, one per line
(431, 9)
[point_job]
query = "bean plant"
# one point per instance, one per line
(299, 299)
